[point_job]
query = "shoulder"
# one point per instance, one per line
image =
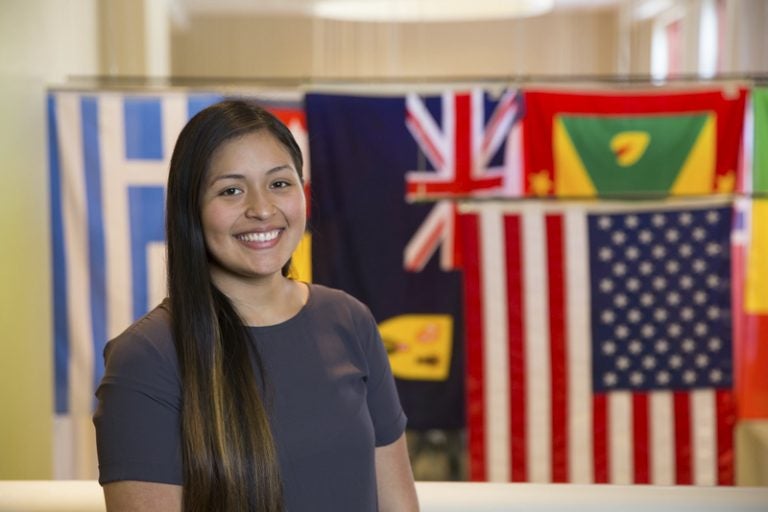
(146, 346)
(342, 307)
(339, 303)
(152, 331)
(338, 311)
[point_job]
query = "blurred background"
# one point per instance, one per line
(257, 44)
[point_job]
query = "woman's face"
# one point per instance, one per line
(253, 208)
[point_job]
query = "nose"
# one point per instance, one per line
(259, 206)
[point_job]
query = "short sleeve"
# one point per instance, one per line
(387, 414)
(138, 411)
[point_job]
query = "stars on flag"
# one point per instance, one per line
(540, 183)
(660, 297)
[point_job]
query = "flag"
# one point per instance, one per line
(756, 300)
(373, 158)
(750, 245)
(750, 320)
(639, 143)
(599, 343)
(109, 157)
(460, 149)
(760, 142)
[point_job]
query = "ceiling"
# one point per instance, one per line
(303, 6)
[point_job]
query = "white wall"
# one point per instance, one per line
(41, 43)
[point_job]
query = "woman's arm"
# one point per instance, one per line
(394, 478)
(130, 496)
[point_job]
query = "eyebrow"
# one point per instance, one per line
(235, 176)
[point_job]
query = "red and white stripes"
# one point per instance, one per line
(532, 413)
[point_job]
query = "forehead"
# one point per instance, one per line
(259, 150)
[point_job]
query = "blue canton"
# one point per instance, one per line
(661, 299)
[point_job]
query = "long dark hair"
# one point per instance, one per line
(229, 456)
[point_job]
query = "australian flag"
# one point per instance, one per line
(386, 171)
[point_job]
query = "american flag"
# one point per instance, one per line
(599, 342)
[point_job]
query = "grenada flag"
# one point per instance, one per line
(632, 144)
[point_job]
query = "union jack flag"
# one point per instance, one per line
(462, 151)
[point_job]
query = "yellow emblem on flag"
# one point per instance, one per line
(629, 146)
(419, 346)
(726, 183)
(540, 183)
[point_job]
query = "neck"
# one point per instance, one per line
(266, 301)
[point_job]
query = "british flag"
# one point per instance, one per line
(463, 150)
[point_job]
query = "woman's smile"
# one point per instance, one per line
(259, 237)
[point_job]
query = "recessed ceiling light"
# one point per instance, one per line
(429, 10)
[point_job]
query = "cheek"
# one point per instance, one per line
(296, 210)
(302, 208)
(301, 216)
(215, 222)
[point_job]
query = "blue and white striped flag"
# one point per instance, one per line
(109, 155)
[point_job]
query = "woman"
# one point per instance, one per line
(245, 389)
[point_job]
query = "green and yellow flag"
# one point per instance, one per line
(641, 144)
(602, 155)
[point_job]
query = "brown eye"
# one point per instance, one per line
(281, 184)
(231, 191)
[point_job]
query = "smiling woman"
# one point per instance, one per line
(245, 389)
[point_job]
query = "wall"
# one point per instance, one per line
(745, 22)
(41, 43)
(121, 37)
(247, 46)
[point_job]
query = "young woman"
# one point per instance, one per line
(246, 390)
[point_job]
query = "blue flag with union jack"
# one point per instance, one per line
(386, 172)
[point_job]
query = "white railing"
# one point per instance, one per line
(86, 496)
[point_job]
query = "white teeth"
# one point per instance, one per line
(259, 237)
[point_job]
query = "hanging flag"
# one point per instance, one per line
(461, 148)
(109, 157)
(374, 160)
(751, 271)
(599, 343)
(756, 301)
(760, 143)
(750, 320)
(624, 144)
